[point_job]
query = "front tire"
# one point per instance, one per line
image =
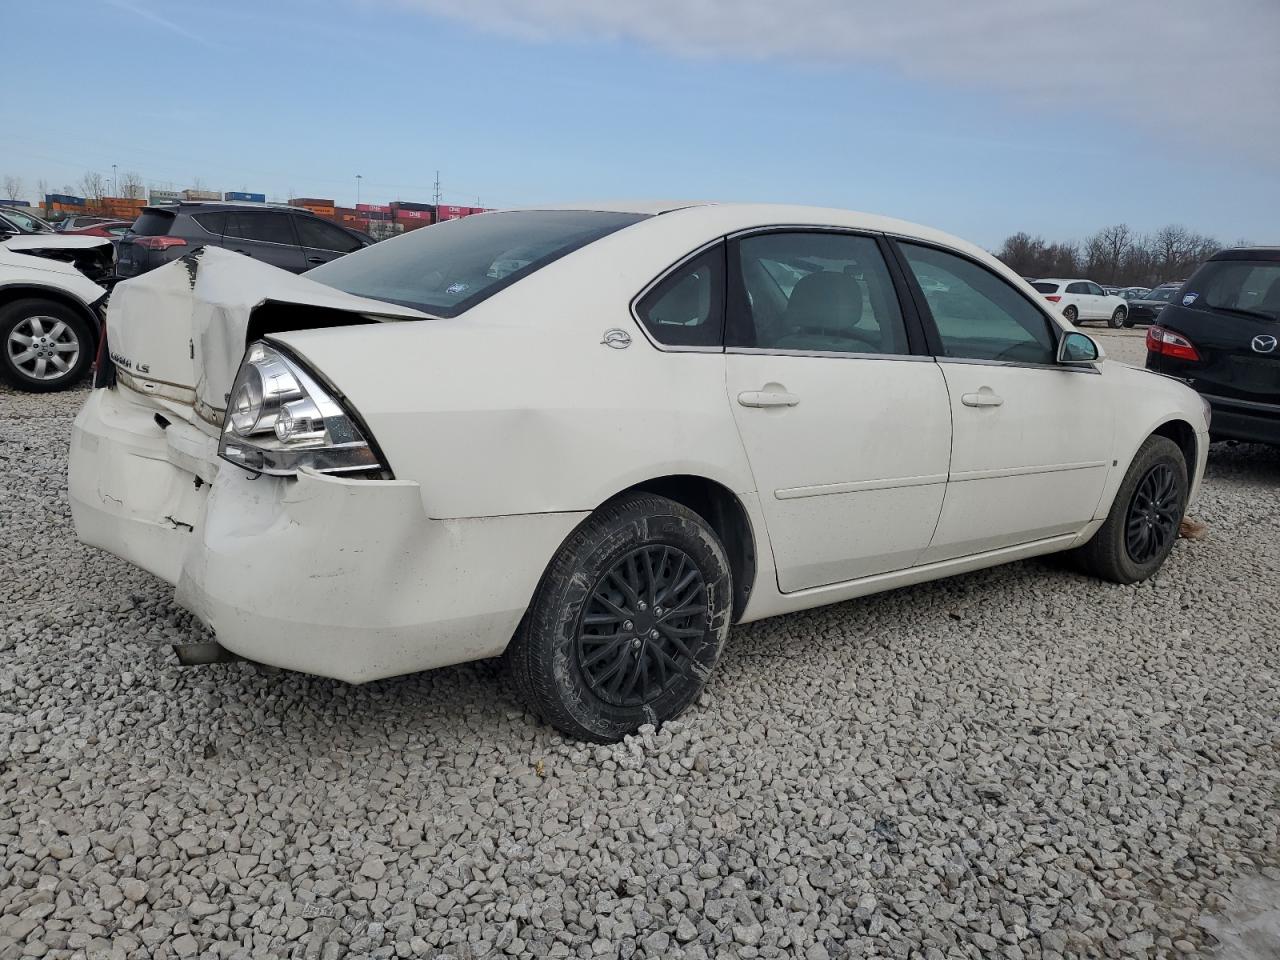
(1142, 527)
(1118, 318)
(628, 621)
(1072, 314)
(44, 345)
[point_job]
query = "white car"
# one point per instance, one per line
(51, 290)
(667, 421)
(1084, 300)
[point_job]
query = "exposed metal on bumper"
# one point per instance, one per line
(337, 577)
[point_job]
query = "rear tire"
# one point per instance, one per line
(44, 345)
(1142, 527)
(1072, 314)
(598, 654)
(1118, 318)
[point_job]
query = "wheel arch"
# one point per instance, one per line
(10, 293)
(1184, 435)
(726, 514)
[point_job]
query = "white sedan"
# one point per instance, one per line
(593, 439)
(1084, 300)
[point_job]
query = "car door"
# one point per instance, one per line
(1031, 439)
(322, 241)
(846, 428)
(265, 235)
(1099, 302)
(1077, 295)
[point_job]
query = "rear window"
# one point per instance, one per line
(1241, 286)
(153, 223)
(1045, 287)
(448, 268)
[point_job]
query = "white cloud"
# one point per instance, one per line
(1206, 71)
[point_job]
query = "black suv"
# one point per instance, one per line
(1221, 334)
(285, 237)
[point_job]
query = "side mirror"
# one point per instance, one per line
(1077, 350)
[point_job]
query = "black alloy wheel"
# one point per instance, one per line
(636, 628)
(1154, 512)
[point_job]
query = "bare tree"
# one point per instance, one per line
(42, 188)
(12, 187)
(131, 186)
(94, 187)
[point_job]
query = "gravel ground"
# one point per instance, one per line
(1015, 763)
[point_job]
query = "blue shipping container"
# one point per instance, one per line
(15, 203)
(64, 198)
(241, 195)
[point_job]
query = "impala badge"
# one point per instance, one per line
(1264, 343)
(618, 339)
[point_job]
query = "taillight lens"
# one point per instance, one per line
(1053, 298)
(159, 243)
(1169, 344)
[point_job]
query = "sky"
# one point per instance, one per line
(981, 118)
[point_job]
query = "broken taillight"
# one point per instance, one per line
(159, 243)
(1166, 343)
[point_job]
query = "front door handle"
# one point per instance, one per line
(315, 260)
(767, 398)
(985, 397)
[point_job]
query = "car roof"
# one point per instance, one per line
(1248, 253)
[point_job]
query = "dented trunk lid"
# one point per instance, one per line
(178, 333)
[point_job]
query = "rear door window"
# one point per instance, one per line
(325, 236)
(814, 291)
(260, 225)
(214, 223)
(1077, 288)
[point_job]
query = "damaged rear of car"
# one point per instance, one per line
(222, 445)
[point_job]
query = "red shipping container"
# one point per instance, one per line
(414, 215)
(376, 207)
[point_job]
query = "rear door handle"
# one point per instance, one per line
(986, 397)
(767, 398)
(315, 260)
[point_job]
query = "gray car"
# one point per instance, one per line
(286, 237)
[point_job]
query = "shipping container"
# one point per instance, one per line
(406, 205)
(311, 201)
(16, 203)
(201, 195)
(374, 207)
(163, 196)
(414, 215)
(63, 198)
(241, 196)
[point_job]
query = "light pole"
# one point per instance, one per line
(114, 180)
(358, 179)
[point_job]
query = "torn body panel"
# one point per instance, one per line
(180, 331)
(364, 585)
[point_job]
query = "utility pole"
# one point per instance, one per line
(358, 179)
(437, 194)
(115, 181)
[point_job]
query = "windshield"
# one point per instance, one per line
(26, 222)
(1249, 285)
(448, 268)
(1164, 294)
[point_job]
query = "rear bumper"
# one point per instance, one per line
(347, 579)
(1247, 420)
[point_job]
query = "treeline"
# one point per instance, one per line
(1113, 255)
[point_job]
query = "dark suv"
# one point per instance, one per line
(1221, 334)
(285, 237)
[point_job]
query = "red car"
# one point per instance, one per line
(114, 229)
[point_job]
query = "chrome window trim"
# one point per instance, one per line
(829, 354)
(635, 303)
(1020, 364)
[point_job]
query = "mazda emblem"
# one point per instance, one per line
(1264, 343)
